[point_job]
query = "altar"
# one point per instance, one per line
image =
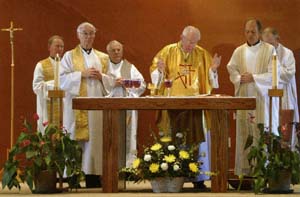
(114, 111)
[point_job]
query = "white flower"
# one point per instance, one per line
(147, 157)
(179, 135)
(171, 147)
(164, 166)
(176, 167)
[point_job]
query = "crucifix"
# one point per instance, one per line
(11, 31)
(187, 72)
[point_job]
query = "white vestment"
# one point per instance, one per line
(256, 60)
(40, 88)
(132, 115)
(70, 82)
(288, 84)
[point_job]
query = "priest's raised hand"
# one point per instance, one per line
(216, 61)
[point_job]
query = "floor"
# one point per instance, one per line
(137, 190)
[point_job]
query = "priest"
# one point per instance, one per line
(43, 80)
(250, 69)
(121, 69)
(81, 74)
(192, 71)
(287, 75)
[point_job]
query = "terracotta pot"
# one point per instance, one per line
(45, 182)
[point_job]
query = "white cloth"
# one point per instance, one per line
(132, 115)
(250, 59)
(288, 84)
(70, 82)
(40, 88)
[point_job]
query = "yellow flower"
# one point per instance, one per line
(193, 167)
(166, 139)
(183, 154)
(156, 147)
(136, 163)
(154, 167)
(170, 158)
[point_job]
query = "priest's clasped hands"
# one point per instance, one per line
(92, 73)
(247, 78)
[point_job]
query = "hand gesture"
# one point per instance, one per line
(247, 78)
(119, 82)
(92, 73)
(161, 66)
(216, 61)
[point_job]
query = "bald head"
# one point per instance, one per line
(115, 51)
(189, 38)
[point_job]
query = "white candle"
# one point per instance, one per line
(56, 73)
(274, 72)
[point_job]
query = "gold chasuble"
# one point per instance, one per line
(48, 72)
(190, 75)
(81, 116)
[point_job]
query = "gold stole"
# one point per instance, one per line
(48, 72)
(81, 116)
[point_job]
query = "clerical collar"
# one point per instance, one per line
(88, 51)
(115, 64)
(252, 45)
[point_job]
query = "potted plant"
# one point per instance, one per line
(37, 158)
(274, 165)
(166, 164)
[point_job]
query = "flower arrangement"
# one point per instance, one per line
(35, 152)
(164, 158)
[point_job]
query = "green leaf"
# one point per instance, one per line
(249, 142)
(48, 160)
(30, 154)
(29, 180)
(38, 162)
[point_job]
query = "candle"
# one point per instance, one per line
(56, 72)
(274, 71)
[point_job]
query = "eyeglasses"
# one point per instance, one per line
(86, 34)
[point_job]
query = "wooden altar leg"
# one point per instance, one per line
(219, 150)
(114, 149)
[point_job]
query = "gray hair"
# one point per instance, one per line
(273, 31)
(84, 24)
(191, 29)
(113, 42)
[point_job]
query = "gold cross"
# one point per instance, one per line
(11, 31)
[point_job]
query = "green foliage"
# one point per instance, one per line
(35, 152)
(269, 156)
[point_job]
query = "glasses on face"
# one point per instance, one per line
(86, 34)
